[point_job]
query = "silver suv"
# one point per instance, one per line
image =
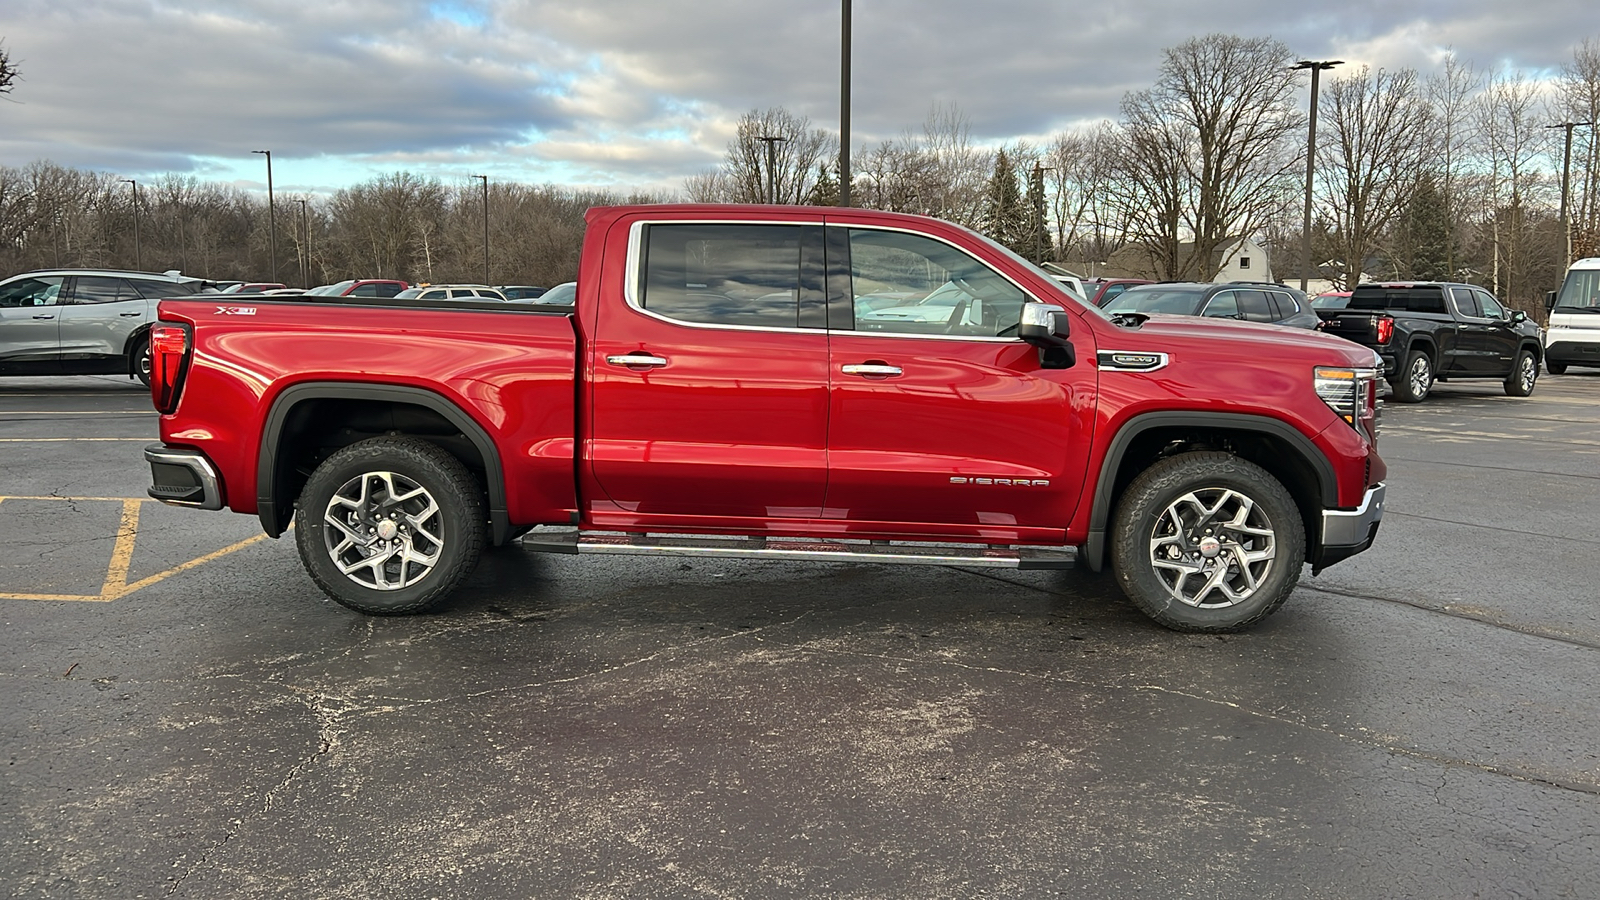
(83, 321)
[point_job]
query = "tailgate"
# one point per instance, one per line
(1361, 327)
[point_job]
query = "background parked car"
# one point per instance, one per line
(254, 287)
(360, 287)
(1100, 291)
(452, 292)
(1273, 304)
(1331, 300)
(563, 294)
(83, 321)
(521, 291)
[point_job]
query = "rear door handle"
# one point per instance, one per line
(871, 369)
(136, 315)
(51, 316)
(637, 361)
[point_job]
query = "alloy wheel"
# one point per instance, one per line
(1213, 548)
(384, 531)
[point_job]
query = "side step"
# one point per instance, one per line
(814, 549)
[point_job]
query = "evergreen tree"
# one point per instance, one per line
(826, 191)
(1038, 220)
(1004, 217)
(1423, 238)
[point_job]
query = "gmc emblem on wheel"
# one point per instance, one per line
(1007, 482)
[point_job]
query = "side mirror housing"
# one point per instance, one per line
(1518, 317)
(1049, 329)
(1549, 299)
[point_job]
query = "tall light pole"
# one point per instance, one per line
(138, 257)
(772, 163)
(272, 218)
(485, 225)
(1566, 181)
(305, 245)
(844, 107)
(1316, 67)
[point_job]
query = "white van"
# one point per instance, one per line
(1572, 337)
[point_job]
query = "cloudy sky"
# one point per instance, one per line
(635, 94)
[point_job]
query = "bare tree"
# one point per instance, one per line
(1208, 148)
(1452, 93)
(795, 157)
(1080, 166)
(1579, 101)
(1513, 140)
(1374, 159)
(8, 70)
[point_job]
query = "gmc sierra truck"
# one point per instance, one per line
(717, 388)
(1425, 331)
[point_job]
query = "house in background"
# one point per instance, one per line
(1237, 259)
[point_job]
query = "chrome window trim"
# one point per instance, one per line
(630, 284)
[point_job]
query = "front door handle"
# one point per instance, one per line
(637, 361)
(131, 315)
(51, 316)
(871, 369)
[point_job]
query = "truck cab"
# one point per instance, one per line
(1572, 337)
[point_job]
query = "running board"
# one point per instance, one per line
(813, 549)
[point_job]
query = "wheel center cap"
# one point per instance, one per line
(1210, 547)
(387, 529)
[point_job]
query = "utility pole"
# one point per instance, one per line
(138, 257)
(272, 218)
(485, 226)
(305, 246)
(1566, 182)
(1316, 67)
(772, 163)
(844, 107)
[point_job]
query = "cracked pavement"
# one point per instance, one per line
(1419, 721)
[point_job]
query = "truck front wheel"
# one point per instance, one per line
(1524, 374)
(1415, 378)
(390, 525)
(1207, 542)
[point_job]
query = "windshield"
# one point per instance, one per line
(1156, 300)
(1581, 293)
(331, 290)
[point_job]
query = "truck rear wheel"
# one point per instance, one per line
(1524, 374)
(390, 525)
(1207, 542)
(1415, 378)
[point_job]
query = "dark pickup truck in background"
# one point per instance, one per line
(1428, 330)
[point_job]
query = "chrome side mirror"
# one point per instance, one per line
(1048, 328)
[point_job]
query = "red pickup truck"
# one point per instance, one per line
(725, 385)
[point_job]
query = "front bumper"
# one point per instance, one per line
(183, 477)
(1573, 353)
(1346, 532)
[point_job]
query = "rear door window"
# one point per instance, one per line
(723, 274)
(1466, 303)
(1254, 306)
(100, 289)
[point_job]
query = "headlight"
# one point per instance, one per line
(1352, 394)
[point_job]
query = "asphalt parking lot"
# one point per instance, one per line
(184, 714)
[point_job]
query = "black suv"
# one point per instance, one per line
(83, 321)
(1273, 304)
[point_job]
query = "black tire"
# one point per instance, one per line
(1524, 375)
(139, 359)
(1555, 368)
(418, 503)
(1415, 379)
(1177, 491)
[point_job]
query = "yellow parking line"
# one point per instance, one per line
(116, 585)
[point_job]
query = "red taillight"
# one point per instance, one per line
(169, 355)
(1385, 329)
